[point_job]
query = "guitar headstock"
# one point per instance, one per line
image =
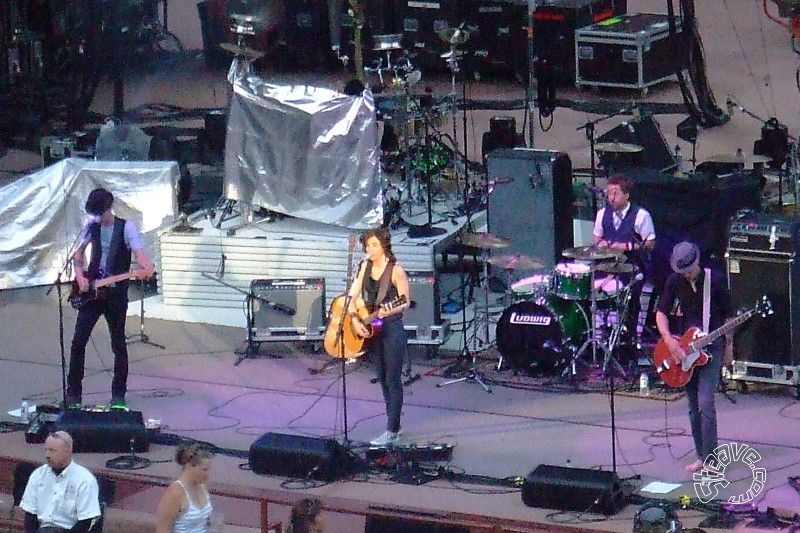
(763, 306)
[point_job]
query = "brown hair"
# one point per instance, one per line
(304, 512)
(192, 453)
(624, 183)
(383, 236)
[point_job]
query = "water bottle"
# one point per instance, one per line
(23, 411)
(644, 384)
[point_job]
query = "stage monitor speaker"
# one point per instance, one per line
(301, 457)
(774, 339)
(288, 306)
(390, 524)
(104, 432)
(573, 489)
(534, 207)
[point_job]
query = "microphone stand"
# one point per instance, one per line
(589, 128)
(57, 285)
(343, 360)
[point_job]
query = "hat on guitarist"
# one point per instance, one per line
(685, 257)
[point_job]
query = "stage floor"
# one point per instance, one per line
(194, 386)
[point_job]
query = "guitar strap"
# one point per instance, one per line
(383, 286)
(707, 300)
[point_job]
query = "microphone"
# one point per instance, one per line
(221, 269)
(729, 105)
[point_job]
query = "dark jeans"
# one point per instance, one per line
(114, 308)
(700, 391)
(389, 353)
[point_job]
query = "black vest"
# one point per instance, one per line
(370, 287)
(118, 255)
(625, 233)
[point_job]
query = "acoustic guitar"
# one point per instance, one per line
(97, 288)
(350, 344)
(676, 373)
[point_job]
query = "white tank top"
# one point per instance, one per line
(195, 519)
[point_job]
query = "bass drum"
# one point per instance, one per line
(540, 336)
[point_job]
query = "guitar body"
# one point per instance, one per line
(98, 289)
(675, 373)
(351, 344)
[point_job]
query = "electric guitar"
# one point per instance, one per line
(97, 288)
(676, 373)
(351, 344)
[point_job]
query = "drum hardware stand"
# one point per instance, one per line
(472, 375)
(142, 336)
(593, 340)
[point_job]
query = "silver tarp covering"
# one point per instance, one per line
(42, 213)
(307, 152)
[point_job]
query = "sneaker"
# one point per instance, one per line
(118, 404)
(387, 438)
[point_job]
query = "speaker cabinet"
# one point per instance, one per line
(301, 457)
(774, 339)
(573, 489)
(534, 207)
(425, 310)
(104, 432)
(284, 308)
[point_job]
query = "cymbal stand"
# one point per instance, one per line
(473, 375)
(593, 341)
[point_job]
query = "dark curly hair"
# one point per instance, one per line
(624, 183)
(383, 236)
(99, 201)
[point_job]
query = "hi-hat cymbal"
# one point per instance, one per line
(453, 35)
(618, 147)
(241, 50)
(615, 268)
(515, 262)
(591, 253)
(485, 241)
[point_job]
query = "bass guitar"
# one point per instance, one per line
(97, 288)
(350, 344)
(676, 373)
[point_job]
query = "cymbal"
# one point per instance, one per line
(615, 268)
(453, 35)
(485, 240)
(726, 158)
(619, 147)
(241, 50)
(515, 262)
(591, 253)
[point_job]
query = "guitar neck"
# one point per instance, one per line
(723, 330)
(118, 277)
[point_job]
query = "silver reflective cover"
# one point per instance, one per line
(308, 152)
(41, 214)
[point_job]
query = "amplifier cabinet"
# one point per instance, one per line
(287, 309)
(423, 320)
(774, 339)
(633, 51)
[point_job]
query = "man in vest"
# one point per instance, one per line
(111, 242)
(628, 228)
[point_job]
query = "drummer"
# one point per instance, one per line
(626, 227)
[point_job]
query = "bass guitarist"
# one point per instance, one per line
(681, 307)
(379, 280)
(111, 241)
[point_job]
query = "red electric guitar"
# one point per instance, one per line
(676, 373)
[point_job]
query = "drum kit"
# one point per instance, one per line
(551, 323)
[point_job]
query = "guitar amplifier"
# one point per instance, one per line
(287, 309)
(761, 233)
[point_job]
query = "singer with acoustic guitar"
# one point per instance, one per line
(111, 241)
(696, 297)
(381, 280)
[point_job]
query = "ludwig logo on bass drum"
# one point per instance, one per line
(531, 320)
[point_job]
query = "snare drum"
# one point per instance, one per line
(572, 281)
(607, 287)
(531, 287)
(539, 336)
